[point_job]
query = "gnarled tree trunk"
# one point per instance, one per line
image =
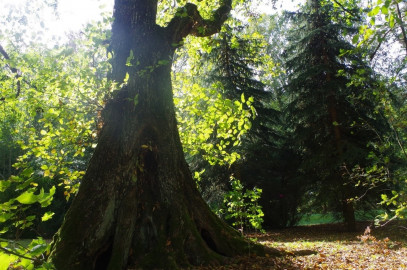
(138, 206)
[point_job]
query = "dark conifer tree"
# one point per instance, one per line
(333, 115)
(235, 61)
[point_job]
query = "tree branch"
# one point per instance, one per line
(347, 10)
(13, 70)
(7, 251)
(373, 54)
(403, 31)
(188, 21)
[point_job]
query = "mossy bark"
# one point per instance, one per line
(138, 206)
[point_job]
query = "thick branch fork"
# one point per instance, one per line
(143, 210)
(188, 21)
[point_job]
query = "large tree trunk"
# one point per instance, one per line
(138, 206)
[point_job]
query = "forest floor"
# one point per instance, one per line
(381, 248)
(334, 248)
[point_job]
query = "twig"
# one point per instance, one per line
(13, 70)
(387, 222)
(403, 31)
(346, 10)
(16, 254)
(373, 54)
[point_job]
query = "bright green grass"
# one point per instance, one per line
(315, 219)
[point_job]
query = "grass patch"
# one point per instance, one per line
(329, 218)
(314, 219)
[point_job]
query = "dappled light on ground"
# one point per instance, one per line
(382, 248)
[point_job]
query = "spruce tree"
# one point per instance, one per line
(236, 62)
(333, 116)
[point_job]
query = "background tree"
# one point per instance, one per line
(240, 56)
(333, 118)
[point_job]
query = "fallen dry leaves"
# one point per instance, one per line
(382, 248)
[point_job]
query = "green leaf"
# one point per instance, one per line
(47, 216)
(4, 184)
(27, 197)
(374, 12)
(355, 39)
(129, 59)
(385, 10)
(38, 247)
(391, 21)
(5, 216)
(46, 198)
(47, 173)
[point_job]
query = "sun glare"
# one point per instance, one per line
(53, 24)
(75, 13)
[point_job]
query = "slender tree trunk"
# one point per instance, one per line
(138, 205)
(348, 213)
(403, 30)
(334, 120)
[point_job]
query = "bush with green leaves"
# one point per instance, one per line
(242, 208)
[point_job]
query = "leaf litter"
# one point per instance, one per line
(329, 246)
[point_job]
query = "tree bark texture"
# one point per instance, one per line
(138, 206)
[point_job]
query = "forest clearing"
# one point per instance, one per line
(383, 248)
(158, 133)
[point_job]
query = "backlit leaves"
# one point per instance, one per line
(28, 197)
(54, 121)
(205, 115)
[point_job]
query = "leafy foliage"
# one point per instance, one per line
(25, 255)
(53, 125)
(242, 207)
